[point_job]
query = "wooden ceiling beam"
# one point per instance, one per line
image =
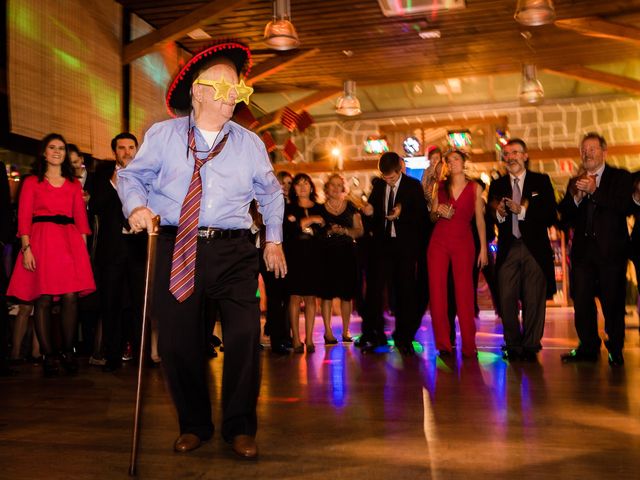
(297, 106)
(178, 28)
(278, 63)
(600, 28)
(578, 72)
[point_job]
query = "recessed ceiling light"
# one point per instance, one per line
(429, 34)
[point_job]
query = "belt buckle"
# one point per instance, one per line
(210, 233)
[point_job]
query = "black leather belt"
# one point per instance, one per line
(210, 233)
(59, 219)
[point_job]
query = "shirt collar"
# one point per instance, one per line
(519, 177)
(397, 184)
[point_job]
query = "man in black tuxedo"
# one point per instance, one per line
(399, 218)
(119, 255)
(524, 206)
(596, 205)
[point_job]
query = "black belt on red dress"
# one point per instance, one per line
(59, 219)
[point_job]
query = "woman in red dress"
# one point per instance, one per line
(457, 202)
(53, 261)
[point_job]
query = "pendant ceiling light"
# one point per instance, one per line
(531, 91)
(535, 12)
(348, 104)
(280, 34)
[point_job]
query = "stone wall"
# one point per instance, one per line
(552, 125)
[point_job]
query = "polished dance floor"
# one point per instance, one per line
(338, 414)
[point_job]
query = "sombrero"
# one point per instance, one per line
(178, 95)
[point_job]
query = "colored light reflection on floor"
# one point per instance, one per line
(337, 375)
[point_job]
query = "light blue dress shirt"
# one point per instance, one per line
(159, 177)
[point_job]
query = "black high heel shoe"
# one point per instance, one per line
(69, 362)
(49, 366)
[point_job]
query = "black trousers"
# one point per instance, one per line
(521, 278)
(605, 278)
(226, 272)
(392, 264)
(121, 287)
(277, 305)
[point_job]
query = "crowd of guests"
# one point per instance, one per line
(410, 245)
(71, 237)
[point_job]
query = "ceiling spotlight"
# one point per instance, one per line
(280, 34)
(535, 12)
(348, 104)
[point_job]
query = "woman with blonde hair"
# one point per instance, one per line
(343, 225)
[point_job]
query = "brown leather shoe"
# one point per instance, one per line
(187, 442)
(245, 446)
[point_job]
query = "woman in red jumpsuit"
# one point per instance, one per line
(53, 261)
(458, 201)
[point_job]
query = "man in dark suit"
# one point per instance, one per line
(596, 205)
(119, 256)
(524, 206)
(399, 216)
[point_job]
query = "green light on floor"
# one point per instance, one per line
(485, 358)
(417, 346)
(68, 60)
(440, 365)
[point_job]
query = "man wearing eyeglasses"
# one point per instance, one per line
(524, 206)
(596, 205)
(200, 172)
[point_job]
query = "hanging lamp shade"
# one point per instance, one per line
(348, 104)
(535, 12)
(280, 34)
(531, 91)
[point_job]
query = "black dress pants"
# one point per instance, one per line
(226, 272)
(121, 287)
(394, 265)
(605, 278)
(277, 306)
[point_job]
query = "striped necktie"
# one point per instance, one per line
(182, 280)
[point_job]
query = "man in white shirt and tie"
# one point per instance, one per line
(524, 205)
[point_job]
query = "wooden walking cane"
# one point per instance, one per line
(148, 284)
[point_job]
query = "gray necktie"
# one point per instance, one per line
(515, 197)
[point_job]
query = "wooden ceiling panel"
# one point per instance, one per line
(481, 40)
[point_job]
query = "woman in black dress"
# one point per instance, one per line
(338, 253)
(303, 223)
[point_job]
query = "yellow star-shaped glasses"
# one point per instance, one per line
(222, 88)
(244, 92)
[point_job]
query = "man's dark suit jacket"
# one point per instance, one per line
(106, 204)
(539, 201)
(612, 202)
(411, 226)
